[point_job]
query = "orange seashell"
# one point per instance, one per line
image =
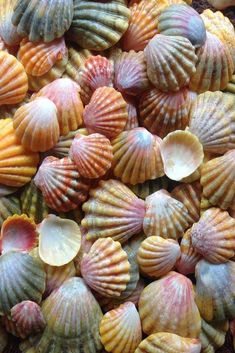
(106, 113)
(132, 119)
(8, 31)
(36, 125)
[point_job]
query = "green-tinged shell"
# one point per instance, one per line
(147, 188)
(212, 335)
(231, 86)
(98, 25)
(22, 278)
(8, 207)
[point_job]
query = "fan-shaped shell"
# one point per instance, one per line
(113, 211)
(8, 31)
(167, 305)
(170, 61)
(9, 205)
(132, 119)
(8, 111)
(213, 335)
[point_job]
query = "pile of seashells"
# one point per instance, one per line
(117, 176)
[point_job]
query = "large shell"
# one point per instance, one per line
(44, 20)
(8, 31)
(113, 211)
(213, 335)
(9, 205)
(137, 156)
(171, 62)
(167, 305)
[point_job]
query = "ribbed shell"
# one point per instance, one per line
(132, 119)
(9, 205)
(147, 188)
(8, 111)
(213, 335)
(8, 31)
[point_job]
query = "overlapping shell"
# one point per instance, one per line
(213, 335)
(8, 31)
(9, 205)
(147, 188)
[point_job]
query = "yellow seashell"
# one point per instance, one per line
(213, 335)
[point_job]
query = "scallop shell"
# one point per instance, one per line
(9, 205)
(167, 305)
(184, 160)
(15, 285)
(137, 156)
(132, 119)
(120, 329)
(162, 113)
(44, 20)
(214, 67)
(170, 61)
(62, 188)
(157, 256)
(98, 26)
(8, 31)
(36, 125)
(8, 111)
(106, 113)
(213, 335)
(113, 211)
(147, 188)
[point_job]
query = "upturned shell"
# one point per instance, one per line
(9, 205)
(167, 305)
(170, 61)
(113, 210)
(8, 31)
(213, 335)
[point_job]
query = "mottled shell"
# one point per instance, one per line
(8, 31)
(213, 335)
(9, 205)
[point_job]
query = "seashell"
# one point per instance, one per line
(120, 329)
(98, 26)
(36, 125)
(137, 156)
(132, 119)
(106, 268)
(215, 290)
(149, 187)
(165, 216)
(182, 20)
(171, 62)
(162, 113)
(167, 305)
(220, 5)
(218, 180)
(214, 128)
(17, 165)
(157, 256)
(38, 58)
(214, 236)
(59, 240)
(8, 31)
(15, 285)
(44, 20)
(13, 81)
(9, 205)
(230, 88)
(214, 67)
(163, 342)
(6, 190)
(3, 338)
(62, 188)
(213, 335)
(8, 111)
(92, 155)
(80, 331)
(184, 160)
(113, 211)
(106, 113)
(2, 45)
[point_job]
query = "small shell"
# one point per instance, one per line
(213, 335)
(8, 31)
(167, 305)
(61, 185)
(113, 211)
(36, 125)
(220, 5)
(9, 205)
(162, 113)
(170, 62)
(149, 187)
(120, 329)
(181, 161)
(137, 156)
(157, 256)
(92, 155)
(165, 216)
(59, 240)
(230, 88)
(132, 119)
(106, 113)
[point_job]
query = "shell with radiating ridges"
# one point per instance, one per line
(9, 205)
(132, 119)
(8, 31)
(147, 188)
(213, 335)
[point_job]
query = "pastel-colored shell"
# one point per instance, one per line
(98, 25)
(165, 216)
(218, 180)
(106, 113)
(9, 205)
(170, 61)
(137, 156)
(214, 236)
(92, 155)
(22, 278)
(214, 67)
(106, 268)
(8, 31)
(213, 335)
(215, 290)
(120, 329)
(157, 256)
(59, 240)
(8, 111)
(17, 165)
(220, 5)
(113, 211)
(162, 113)
(132, 119)
(182, 20)
(60, 183)
(167, 305)
(214, 127)
(183, 160)
(44, 20)
(13, 80)
(147, 188)
(230, 88)
(36, 125)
